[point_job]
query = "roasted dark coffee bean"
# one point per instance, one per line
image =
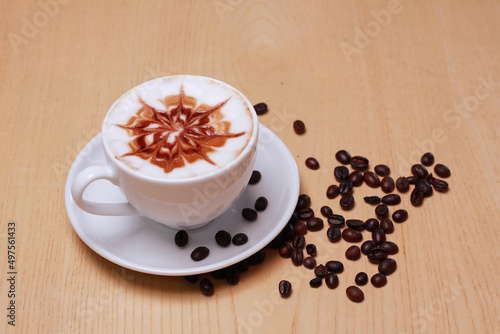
(419, 171)
(347, 202)
(285, 251)
(392, 199)
(400, 215)
(249, 214)
(361, 279)
(353, 253)
(387, 267)
(356, 178)
(232, 275)
(367, 246)
(293, 218)
(315, 224)
(439, 185)
(297, 256)
(341, 173)
(206, 287)
(334, 266)
(311, 250)
(257, 257)
(298, 241)
(218, 274)
(299, 127)
(351, 235)
(417, 197)
(181, 238)
(372, 199)
(223, 238)
(321, 271)
(371, 224)
(402, 184)
(382, 170)
(243, 265)
(287, 232)
(336, 220)
(413, 179)
(345, 187)
(425, 187)
(387, 184)
(309, 262)
(442, 171)
(355, 294)
(387, 225)
(260, 108)
(240, 239)
(332, 191)
(326, 211)
(378, 235)
(390, 247)
(316, 282)
(359, 163)
(382, 210)
(343, 157)
(379, 280)
(285, 288)
(192, 278)
(377, 255)
(261, 203)
(199, 253)
(255, 178)
(312, 163)
(277, 242)
(333, 234)
(303, 202)
(427, 159)
(332, 280)
(300, 228)
(305, 214)
(371, 179)
(355, 224)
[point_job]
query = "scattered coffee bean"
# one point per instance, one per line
(413, 179)
(255, 259)
(377, 255)
(367, 246)
(305, 214)
(309, 262)
(402, 184)
(343, 157)
(240, 239)
(382, 210)
(181, 238)
(300, 228)
(386, 225)
(372, 199)
(255, 178)
(297, 256)
(332, 280)
(249, 214)
(336, 220)
(311, 250)
(243, 266)
(285, 288)
(353, 253)
(387, 267)
(355, 224)
(326, 211)
(345, 187)
(285, 251)
(341, 173)
(293, 218)
(231, 275)
(400, 215)
(333, 234)
(298, 241)
(347, 202)
(419, 171)
(378, 235)
(371, 179)
(355, 294)
(439, 185)
(332, 191)
(359, 163)
(299, 127)
(206, 287)
(427, 159)
(387, 185)
(392, 199)
(303, 202)
(382, 170)
(218, 274)
(192, 278)
(260, 108)
(361, 279)
(351, 235)
(316, 282)
(321, 271)
(223, 238)
(390, 247)
(417, 197)
(335, 266)
(442, 171)
(356, 178)
(287, 232)
(425, 187)
(261, 203)
(314, 224)
(312, 163)
(379, 280)
(199, 253)
(371, 224)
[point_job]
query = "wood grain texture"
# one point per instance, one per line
(425, 78)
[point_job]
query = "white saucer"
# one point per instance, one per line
(143, 245)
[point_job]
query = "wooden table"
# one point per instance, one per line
(388, 79)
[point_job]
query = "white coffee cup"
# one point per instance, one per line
(184, 202)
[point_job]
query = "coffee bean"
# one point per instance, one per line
(387, 267)
(382, 210)
(413, 179)
(326, 211)
(312, 163)
(361, 279)
(293, 218)
(332, 280)
(255, 259)
(377, 255)
(287, 232)
(334, 266)
(316, 282)
(299, 127)
(309, 262)
(425, 187)
(372, 199)
(297, 256)
(386, 225)
(355, 294)
(341, 173)
(345, 187)
(439, 185)
(427, 159)
(192, 278)
(218, 274)
(321, 271)
(300, 228)
(311, 249)
(379, 280)
(305, 214)
(355, 224)
(223, 238)
(260, 108)
(353, 253)
(261, 203)
(359, 163)
(419, 171)
(402, 184)
(314, 224)
(199, 253)
(382, 170)
(240, 239)
(249, 214)
(298, 241)
(417, 197)
(255, 178)
(387, 184)
(400, 215)
(285, 251)
(343, 157)
(351, 235)
(347, 202)
(371, 179)
(390, 247)
(442, 171)
(333, 234)
(336, 220)
(181, 238)
(356, 178)
(371, 224)
(332, 191)
(285, 288)
(392, 199)
(367, 246)
(378, 235)
(303, 202)
(206, 287)
(231, 275)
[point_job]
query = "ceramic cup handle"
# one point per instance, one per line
(86, 177)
